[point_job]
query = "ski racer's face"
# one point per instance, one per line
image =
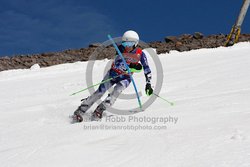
(129, 45)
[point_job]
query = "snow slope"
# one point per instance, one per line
(210, 89)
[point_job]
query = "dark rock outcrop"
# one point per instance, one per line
(180, 43)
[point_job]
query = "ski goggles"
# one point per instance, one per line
(128, 43)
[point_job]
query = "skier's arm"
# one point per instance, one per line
(118, 63)
(147, 72)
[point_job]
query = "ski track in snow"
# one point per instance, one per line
(210, 89)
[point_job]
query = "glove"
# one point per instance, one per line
(148, 89)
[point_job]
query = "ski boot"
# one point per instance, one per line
(97, 114)
(78, 115)
(80, 111)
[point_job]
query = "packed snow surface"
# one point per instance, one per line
(209, 125)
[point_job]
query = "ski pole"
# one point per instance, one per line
(171, 103)
(96, 84)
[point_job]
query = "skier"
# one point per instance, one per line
(133, 55)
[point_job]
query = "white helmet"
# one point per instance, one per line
(131, 36)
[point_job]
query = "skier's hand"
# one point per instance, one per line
(135, 67)
(148, 89)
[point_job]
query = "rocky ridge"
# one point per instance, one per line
(180, 43)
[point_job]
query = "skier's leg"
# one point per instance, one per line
(111, 98)
(89, 101)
